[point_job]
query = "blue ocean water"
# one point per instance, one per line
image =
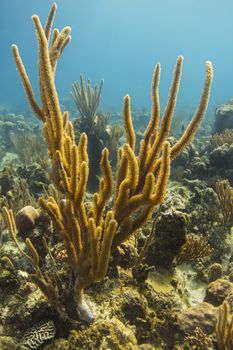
(120, 41)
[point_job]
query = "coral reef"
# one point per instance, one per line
(142, 263)
(90, 234)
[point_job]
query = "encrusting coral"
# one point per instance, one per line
(91, 233)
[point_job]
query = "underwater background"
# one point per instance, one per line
(116, 215)
(120, 42)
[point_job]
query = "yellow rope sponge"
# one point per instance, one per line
(91, 232)
(142, 179)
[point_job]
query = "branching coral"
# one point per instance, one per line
(91, 233)
(220, 139)
(95, 126)
(224, 327)
(87, 98)
(225, 197)
(194, 248)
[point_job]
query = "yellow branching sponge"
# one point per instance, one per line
(91, 233)
(142, 179)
